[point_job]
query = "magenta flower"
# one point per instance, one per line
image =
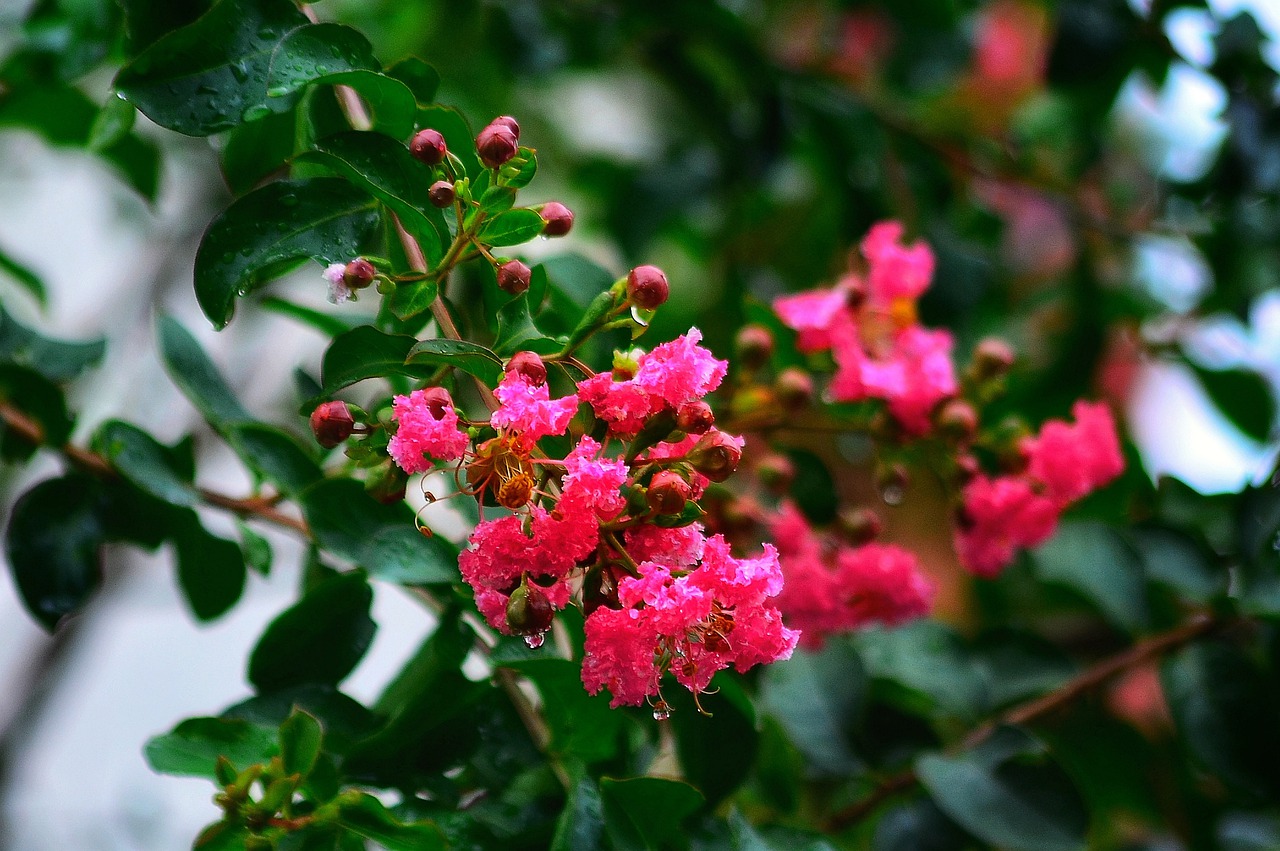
(1000, 516)
(528, 409)
(1073, 460)
(426, 429)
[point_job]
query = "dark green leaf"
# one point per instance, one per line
(366, 817)
(193, 747)
(319, 640)
(582, 726)
(746, 837)
(411, 299)
(442, 652)
(581, 826)
(1009, 793)
(343, 720)
(147, 463)
(256, 549)
(517, 331)
(816, 697)
(1092, 559)
(1018, 665)
(471, 358)
(1176, 560)
(196, 376)
(29, 280)
(300, 738)
(212, 74)
(928, 658)
(716, 751)
(41, 400)
(222, 836)
(347, 522)
(389, 101)
(148, 20)
(211, 570)
(53, 546)
(56, 360)
(420, 77)
(258, 236)
(314, 51)
(112, 124)
(1244, 396)
(366, 352)
(256, 149)
(513, 227)
(918, 826)
(647, 812)
(275, 456)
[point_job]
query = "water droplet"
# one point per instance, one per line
(535, 641)
(277, 91)
(239, 72)
(661, 712)
(253, 113)
(893, 494)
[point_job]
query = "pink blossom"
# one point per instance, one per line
(912, 373)
(1073, 460)
(619, 655)
(622, 404)
(898, 271)
(672, 548)
(339, 292)
(420, 436)
(590, 486)
(812, 315)
(528, 409)
(998, 517)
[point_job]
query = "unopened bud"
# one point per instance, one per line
(437, 400)
(992, 357)
(647, 287)
(794, 387)
(331, 423)
(626, 364)
(530, 366)
(859, 525)
(508, 122)
(514, 277)
(557, 219)
(957, 420)
(529, 612)
(967, 469)
(668, 492)
(716, 455)
(753, 346)
(496, 145)
(442, 194)
(776, 472)
(358, 274)
(428, 146)
(695, 417)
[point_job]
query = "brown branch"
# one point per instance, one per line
(1038, 708)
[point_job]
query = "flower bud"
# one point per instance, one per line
(441, 194)
(794, 387)
(753, 346)
(358, 274)
(859, 525)
(626, 364)
(957, 420)
(967, 469)
(438, 401)
(695, 417)
(496, 145)
(513, 277)
(427, 146)
(530, 366)
(647, 287)
(508, 122)
(716, 455)
(668, 492)
(776, 472)
(557, 217)
(331, 423)
(992, 357)
(529, 612)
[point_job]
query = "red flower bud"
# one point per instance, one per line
(859, 525)
(957, 420)
(358, 274)
(513, 277)
(331, 423)
(753, 346)
(428, 146)
(647, 287)
(776, 472)
(508, 122)
(716, 455)
(967, 468)
(695, 417)
(992, 357)
(441, 193)
(530, 366)
(496, 144)
(794, 387)
(558, 219)
(668, 492)
(437, 400)
(529, 612)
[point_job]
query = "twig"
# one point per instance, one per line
(1034, 710)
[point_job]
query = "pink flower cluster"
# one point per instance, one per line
(692, 622)
(1065, 462)
(427, 428)
(837, 588)
(869, 324)
(529, 411)
(669, 377)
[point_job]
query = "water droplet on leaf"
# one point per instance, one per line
(535, 641)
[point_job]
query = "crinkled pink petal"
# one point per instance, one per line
(421, 437)
(897, 270)
(1001, 516)
(680, 371)
(812, 315)
(672, 548)
(1073, 460)
(529, 411)
(592, 486)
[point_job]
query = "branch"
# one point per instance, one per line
(1038, 708)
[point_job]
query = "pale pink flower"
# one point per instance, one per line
(421, 437)
(812, 315)
(339, 292)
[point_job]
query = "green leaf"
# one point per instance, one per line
(366, 352)
(315, 51)
(1176, 560)
(517, 331)
(457, 134)
(300, 739)
(390, 102)
(816, 697)
(442, 652)
(384, 168)
(56, 360)
(319, 640)
(211, 570)
(148, 20)
(222, 836)
(196, 376)
(927, 658)
(519, 171)
(53, 543)
(366, 817)
(113, 123)
(647, 812)
(328, 324)
(271, 228)
(513, 227)
(1093, 559)
(421, 78)
(581, 826)
(212, 74)
(257, 148)
(1244, 397)
(746, 837)
(411, 299)
(26, 277)
(1018, 665)
(343, 720)
(275, 456)
(1225, 712)
(347, 522)
(582, 725)
(716, 751)
(256, 549)
(144, 461)
(192, 748)
(469, 357)
(1008, 792)
(41, 400)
